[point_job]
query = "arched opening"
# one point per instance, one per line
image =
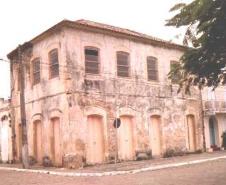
(213, 131)
(4, 139)
(55, 142)
(95, 148)
(126, 138)
(18, 142)
(156, 135)
(191, 133)
(37, 141)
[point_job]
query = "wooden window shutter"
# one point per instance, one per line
(173, 66)
(152, 68)
(92, 60)
(123, 64)
(54, 63)
(36, 71)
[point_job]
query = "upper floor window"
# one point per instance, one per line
(92, 60)
(173, 65)
(54, 63)
(152, 68)
(36, 71)
(123, 64)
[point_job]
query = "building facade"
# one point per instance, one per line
(214, 106)
(6, 154)
(80, 76)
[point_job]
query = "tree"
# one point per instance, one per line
(204, 63)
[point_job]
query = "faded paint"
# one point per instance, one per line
(191, 133)
(155, 134)
(126, 142)
(95, 146)
(75, 96)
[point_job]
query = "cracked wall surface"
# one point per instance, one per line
(74, 95)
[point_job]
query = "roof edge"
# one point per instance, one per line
(79, 25)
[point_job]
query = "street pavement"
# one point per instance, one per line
(208, 173)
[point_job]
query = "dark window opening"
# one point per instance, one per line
(152, 68)
(54, 63)
(122, 64)
(173, 66)
(92, 60)
(36, 71)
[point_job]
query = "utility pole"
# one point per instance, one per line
(25, 160)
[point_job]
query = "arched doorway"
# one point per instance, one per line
(5, 139)
(126, 138)
(191, 133)
(155, 132)
(18, 142)
(37, 141)
(213, 131)
(95, 148)
(55, 140)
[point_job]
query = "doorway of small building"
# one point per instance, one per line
(37, 141)
(126, 148)
(5, 139)
(55, 141)
(213, 131)
(95, 147)
(156, 135)
(191, 133)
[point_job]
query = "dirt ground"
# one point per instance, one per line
(209, 173)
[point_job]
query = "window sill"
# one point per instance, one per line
(93, 76)
(54, 78)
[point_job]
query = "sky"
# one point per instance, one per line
(21, 20)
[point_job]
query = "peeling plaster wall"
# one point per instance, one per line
(73, 92)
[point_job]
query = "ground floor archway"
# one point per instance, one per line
(191, 133)
(156, 135)
(126, 147)
(95, 146)
(55, 142)
(37, 141)
(213, 131)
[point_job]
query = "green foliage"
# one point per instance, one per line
(203, 63)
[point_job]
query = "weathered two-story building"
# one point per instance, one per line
(81, 75)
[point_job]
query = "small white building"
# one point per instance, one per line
(5, 132)
(215, 116)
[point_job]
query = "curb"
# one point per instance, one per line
(112, 173)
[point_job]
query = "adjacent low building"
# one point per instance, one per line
(214, 106)
(6, 154)
(81, 75)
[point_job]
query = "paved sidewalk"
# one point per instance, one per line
(125, 167)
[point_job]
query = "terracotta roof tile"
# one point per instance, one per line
(122, 30)
(100, 26)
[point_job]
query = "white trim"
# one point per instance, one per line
(113, 173)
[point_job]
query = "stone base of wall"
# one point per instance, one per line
(143, 155)
(73, 161)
